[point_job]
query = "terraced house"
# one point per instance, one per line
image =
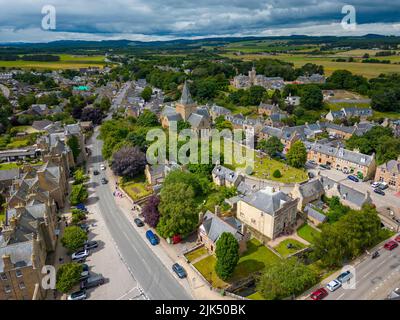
(342, 159)
(389, 172)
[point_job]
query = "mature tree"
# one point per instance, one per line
(73, 143)
(78, 194)
(93, 114)
(147, 119)
(256, 94)
(128, 162)
(178, 210)
(285, 278)
(74, 238)
(199, 183)
(227, 253)
(78, 215)
(272, 146)
(297, 155)
(312, 97)
(146, 93)
(221, 124)
(68, 276)
(277, 174)
(150, 211)
(349, 237)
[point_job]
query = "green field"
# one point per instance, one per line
(368, 70)
(66, 62)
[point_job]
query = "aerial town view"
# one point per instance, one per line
(227, 151)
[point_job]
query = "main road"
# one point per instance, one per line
(374, 278)
(153, 277)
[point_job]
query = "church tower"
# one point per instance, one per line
(252, 76)
(186, 106)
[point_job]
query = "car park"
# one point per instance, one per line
(334, 285)
(319, 294)
(79, 255)
(178, 269)
(94, 280)
(138, 222)
(379, 191)
(91, 245)
(344, 277)
(78, 295)
(391, 245)
(353, 178)
(153, 239)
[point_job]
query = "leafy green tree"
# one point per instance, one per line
(78, 215)
(147, 119)
(78, 194)
(73, 143)
(312, 97)
(221, 124)
(285, 278)
(272, 146)
(177, 209)
(146, 93)
(74, 238)
(277, 174)
(227, 253)
(79, 176)
(297, 155)
(68, 276)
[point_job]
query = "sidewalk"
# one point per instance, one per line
(166, 252)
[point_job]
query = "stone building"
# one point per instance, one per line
(389, 172)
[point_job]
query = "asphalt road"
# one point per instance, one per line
(156, 281)
(374, 278)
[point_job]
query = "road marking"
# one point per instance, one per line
(367, 274)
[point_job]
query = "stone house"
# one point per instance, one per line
(389, 172)
(307, 192)
(223, 176)
(213, 226)
(267, 213)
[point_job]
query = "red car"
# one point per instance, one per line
(319, 294)
(397, 238)
(391, 245)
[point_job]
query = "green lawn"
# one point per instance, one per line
(206, 267)
(254, 259)
(137, 188)
(8, 166)
(191, 256)
(307, 233)
(284, 251)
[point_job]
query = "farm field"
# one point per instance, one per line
(66, 62)
(368, 70)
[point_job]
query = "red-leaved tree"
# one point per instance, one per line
(128, 162)
(150, 211)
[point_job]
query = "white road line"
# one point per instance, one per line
(367, 274)
(338, 298)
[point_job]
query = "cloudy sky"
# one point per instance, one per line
(21, 20)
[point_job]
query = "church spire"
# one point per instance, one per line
(186, 98)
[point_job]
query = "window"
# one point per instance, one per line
(18, 273)
(22, 285)
(7, 289)
(3, 277)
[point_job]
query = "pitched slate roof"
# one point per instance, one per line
(225, 173)
(20, 254)
(311, 188)
(312, 212)
(392, 166)
(214, 226)
(267, 200)
(186, 98)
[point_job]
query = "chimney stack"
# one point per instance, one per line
(217, 211)
(8, 265)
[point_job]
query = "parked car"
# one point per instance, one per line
(375, 185)
(79, 255)
(344, 277)
(84, 227)
(91, 245)
(81, 206)
(383, 185)
(78, 295)
(334, 285)
(96, 172)
(391, 245)
(310, 175)
(102, 167)
(154, 240)
(104, 181)
(139, 223)
(178, 269)
(319, 294)
(93, 281)
(325, 166)
(353, 178)
(397, 238)
(85, 272)
(379, 191)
